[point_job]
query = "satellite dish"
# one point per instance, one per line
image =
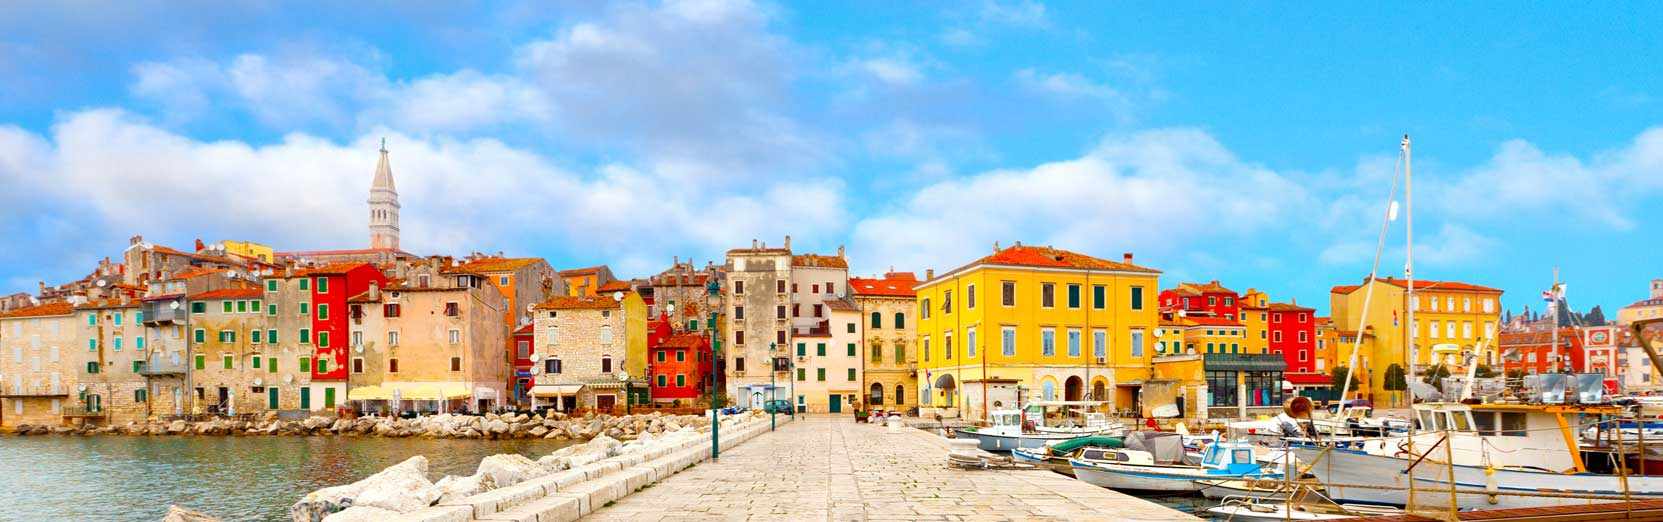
(623, 376)
(82, 387)
(536, 370)
(258, 382)
(617, 296)
(530, 307)
(231, 274)
(359, 348)
(173, 305)
(536, 357)
(288, 378)
(101, 283)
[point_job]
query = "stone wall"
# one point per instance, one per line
(38, 366)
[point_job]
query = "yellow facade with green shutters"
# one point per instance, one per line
(1034, 323)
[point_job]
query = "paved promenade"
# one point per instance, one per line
(823, 468)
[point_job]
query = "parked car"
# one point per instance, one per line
(777, 406)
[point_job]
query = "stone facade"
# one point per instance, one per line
(828, 361)
(886, 307)
(115, 384)
(758, 323)
(38, 372)
(440, 350)
(584, 344)
(249, 352)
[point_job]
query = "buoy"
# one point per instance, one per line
(1490, 487)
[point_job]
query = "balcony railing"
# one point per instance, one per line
(161, 312)
(162, 365)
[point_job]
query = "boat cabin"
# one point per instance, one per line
(1542, 435)
(1232, 457)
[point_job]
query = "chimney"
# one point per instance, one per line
(929, 273)
(199, 245)
(1127, 258)
(675, 261)
(753, 244)
(995, 247)
(788, 241)
(1018, 243)
(1656, 288)
(839, 250)
(375, 291)
(136, 239)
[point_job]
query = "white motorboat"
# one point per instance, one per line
(1042, 422)
(1301, 507)
(1154, 461)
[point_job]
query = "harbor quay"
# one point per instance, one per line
(830, 468)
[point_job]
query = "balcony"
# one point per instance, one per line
(162, 365)
(34, 392)
(83, 412)
(158, 313)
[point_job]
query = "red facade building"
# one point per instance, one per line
(1532, 352)
(522, 341)
(1293, 333)
(330, 286)
(1210, 299)
(678, 366)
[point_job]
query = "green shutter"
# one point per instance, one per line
(242, 307)
(256, 362)
(802, 349)
(271, 395)
(138, 366)
(271, 309)
(305, 336)
(227, 360)
(271, 365)
(305, 283)
(199, 307)
(271, 285)
(271, 336)
(328, 393)
(851, 349)
(227, 306)
(820, 374)
(851, 374)
(305, 394)
(820, 349)
(201, 362)
(305, 364)
(802, 374)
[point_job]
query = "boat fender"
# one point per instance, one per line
(1490, 487)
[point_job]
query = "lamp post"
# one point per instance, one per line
(773, 390)
(714, 299)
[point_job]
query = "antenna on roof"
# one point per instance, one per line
(383, 144)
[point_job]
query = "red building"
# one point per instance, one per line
(1210, 299)
(329, 287)
(1293, 333)
(678, 365)
(1532, 352)
(522, 360)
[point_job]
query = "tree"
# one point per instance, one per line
(1435, 376)
(1484, 371)
(1336, 378)
(1395, 379)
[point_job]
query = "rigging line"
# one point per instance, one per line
(1368, 293)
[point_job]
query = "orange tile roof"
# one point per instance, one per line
(842, 304)
(614, 286)
(819, 261)
(1056, 258)
(229, 293)
(1422, 284)
(330, 269)
(564, 302)
(582, 271)
(42, 310)
(893, 284)
(107, 303)
(1290, 307)
(193, 272)
(1202, 288)
(500, 264)
(525, 329)
(683, 340)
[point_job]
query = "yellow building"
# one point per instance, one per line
(1255, 311)
(249, 249)
(1452, 319)
(1328, 342)
(1034, 323)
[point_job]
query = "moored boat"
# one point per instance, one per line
(1154, 461)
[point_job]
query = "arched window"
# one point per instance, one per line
(877, 320)
(900, 394)
(877, 395)
(900, 320)
(1050, 392)
(606, 364)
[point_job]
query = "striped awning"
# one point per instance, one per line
(555, 390)
(367, 393)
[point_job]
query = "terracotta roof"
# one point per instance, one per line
(229, 293)
(819, 261)
(1646, 302)
(1422, 284)
(1055, 258)
(1323, 320)
(362, 297)
(842, 305)
(331, 268)
(683, 340)
(1202, 288)
(1202, 320)
(500, 264)
(582, 271)
(43, 310)
(194, 272)
(893, 284)
(614, 286)
(1290, 307)
(304, 253)
(107, 303)
(564, 302)
(528, 328)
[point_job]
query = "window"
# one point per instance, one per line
(681, 379)
(970, 342)
(606, 333)
(779, 312)
(227, 360)
(900, 353)
(323, 285)
(323, 311)
(947, 345)
(387, 310)
(820, 349)
(851, 327)
(453, 309)
(661, 381)
(455, 336)
(1489, 305)
(1137, 343)
(1449, 328)
(1100, 344)
(738, 364)
(1137, 297)
(305, 284)
(226, 307)
(926, 351)
(970, 297)
(1073, 342)
(851, 349)
(139, 395)
(271, 365)
(1073, 296)
(1007, 293)
(1222, 384)
(392, 365)
(877, 320)
(201, 362)
(271, 285)
(947, 301)
(779, 337)
(256, 336)
(1277, 337)
(138, 343)
(900, 320)
(1048, 342)
(814, 288)
(271, 309)
(1466, 328)
(851, 374)
(606, 364)
(739, 337)
(738, 287)
(323, 339)
(802, 374)
(116, 343)
(199, 307)
(1304, 337)
(681, 356)
(1303, 356)
(1007, 341)
(305, 308)
(820, 374)
(358, 365)
(1099, 296)
(1276, 317)
(456, 364)
(924, 308)
(1047, 295)
(227, 336)
(779, 286)
(92, 367)
(271, 336)
(551, 366)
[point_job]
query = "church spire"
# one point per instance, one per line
(383, 204)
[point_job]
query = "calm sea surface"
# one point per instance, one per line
(234, 478)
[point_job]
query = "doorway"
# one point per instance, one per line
(836, 403)
(305, 398)
(271, 398)
(606, 402)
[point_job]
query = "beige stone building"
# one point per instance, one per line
(590, 350)
(39, 373)
(429, 348)
(1649, 308)
(249, 353)
(113, 364)
(886, 307)
(828, 360)
(757, 299)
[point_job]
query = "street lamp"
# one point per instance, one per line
(713, 299)
(773, 389)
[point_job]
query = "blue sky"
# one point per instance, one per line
(1241, 142)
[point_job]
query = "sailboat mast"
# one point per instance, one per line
(1553, 309)
(1409, 264)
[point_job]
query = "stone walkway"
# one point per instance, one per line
(834, 469)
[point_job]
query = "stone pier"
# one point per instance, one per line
(830, 468)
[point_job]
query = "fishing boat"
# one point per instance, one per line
(1154, 461)
(1305, 505)
(1245, 488)
(1041, 422)
(1055, 454)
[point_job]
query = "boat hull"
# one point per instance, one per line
(994, 442)
(1174, 479)
(1338, 468)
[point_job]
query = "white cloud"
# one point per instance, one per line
(893, 71)
(1156, 190)
(1065, 85)
(109, 175)
(1522, 182)
(1023, 13)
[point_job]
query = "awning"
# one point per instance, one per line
(423, 393)
(555, 390)
(456, 391)
(1309, 379)
(367, 393)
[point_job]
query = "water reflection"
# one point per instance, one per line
(235, 478)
